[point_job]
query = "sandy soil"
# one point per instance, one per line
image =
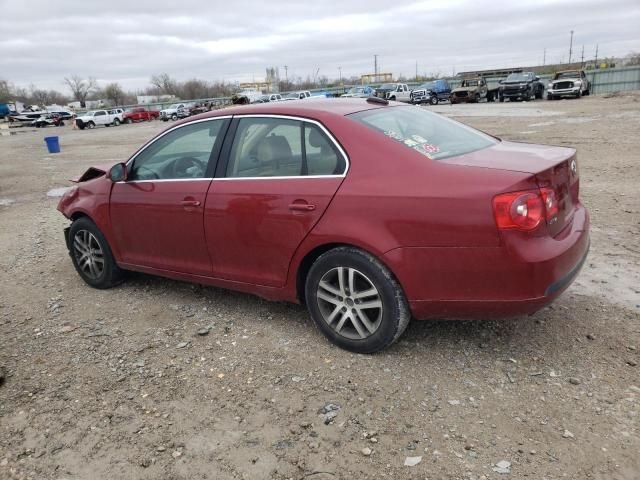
(118, 384)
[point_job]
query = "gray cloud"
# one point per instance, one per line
(43, 41)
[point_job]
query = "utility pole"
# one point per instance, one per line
(570, 47)
(286, 75)
(375, 68)
(596, 60)
(416, 70)
(544, 57)
(582, 57)
(340, 70)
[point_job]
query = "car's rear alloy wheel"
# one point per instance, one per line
(355, 300)
(92, 256)
(116, 122)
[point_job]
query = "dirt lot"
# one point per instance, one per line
(118, 384)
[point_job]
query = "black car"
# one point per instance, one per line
(521, 86)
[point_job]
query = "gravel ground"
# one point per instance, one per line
(158, 379)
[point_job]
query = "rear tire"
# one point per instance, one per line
(174, 117)
(116, 122)
(355, 301)
(91, 255)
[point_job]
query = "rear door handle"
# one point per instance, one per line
(302, 207)
(190, 203)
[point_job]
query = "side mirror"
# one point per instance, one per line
(118, 173)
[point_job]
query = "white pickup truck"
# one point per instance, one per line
(400, 92)
(94, 118)
(175, 111)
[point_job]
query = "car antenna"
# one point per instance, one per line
(378, 100)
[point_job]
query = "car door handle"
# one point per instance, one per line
(190, 203)
(302, 207)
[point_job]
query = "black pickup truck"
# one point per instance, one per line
(521, 86)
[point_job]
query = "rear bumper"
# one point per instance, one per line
(520, 277)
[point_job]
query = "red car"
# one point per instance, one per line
(139, 114)
(370, 213)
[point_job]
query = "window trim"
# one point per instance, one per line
(209, 171)
(222, 168)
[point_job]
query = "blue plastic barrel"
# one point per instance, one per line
(52, 144)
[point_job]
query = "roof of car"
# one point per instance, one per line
(309, 107)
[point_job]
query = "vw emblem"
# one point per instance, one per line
(574, 167)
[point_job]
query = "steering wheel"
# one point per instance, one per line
(181, 165)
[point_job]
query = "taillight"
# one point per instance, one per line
(550, 203)
(519, 210)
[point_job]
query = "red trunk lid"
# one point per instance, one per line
(552, 167)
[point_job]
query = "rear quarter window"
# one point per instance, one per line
(434, 136)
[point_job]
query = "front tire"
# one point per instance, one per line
(116, 122)
(91, 255)
(355, 301)
(174, 117)
(433, 100)
(91, 125)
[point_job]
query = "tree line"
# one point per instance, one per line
(82, 89)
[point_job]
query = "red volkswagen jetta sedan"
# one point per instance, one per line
(370, 213)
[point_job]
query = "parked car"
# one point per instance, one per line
(175, 111)
(359, 92)
(245, 97)
(521, 86)
(271, 97)
(459, 224)
(139, 114)
(297, 95)
(568, 83)
(431, 92)
(470, 90)
(48, 119)
(95, 118)
(400, 93)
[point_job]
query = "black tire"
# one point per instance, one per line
(393, 314)
(393, 99)
(80, 124)
(91, 125)
(540, 93)
(433, 100)
(501, 98)
(587, 92)
(111, 274)
(174, 117)
(116, 122)
(128, 121)
(579, 94)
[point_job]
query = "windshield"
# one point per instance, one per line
(388, 86)
(174, 106)
(517, 77)
(568, 75)
(432, 135)
(356, 90)
(470, 83)
(91, 113)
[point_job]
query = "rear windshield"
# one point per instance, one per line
(432, 135)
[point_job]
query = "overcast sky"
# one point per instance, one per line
(128, 41)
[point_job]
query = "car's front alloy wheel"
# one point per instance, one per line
(91, 255)
(355, 300)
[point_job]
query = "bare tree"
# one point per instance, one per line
(80, 88)
(5, 91)
(165, 84)
(114, 93)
